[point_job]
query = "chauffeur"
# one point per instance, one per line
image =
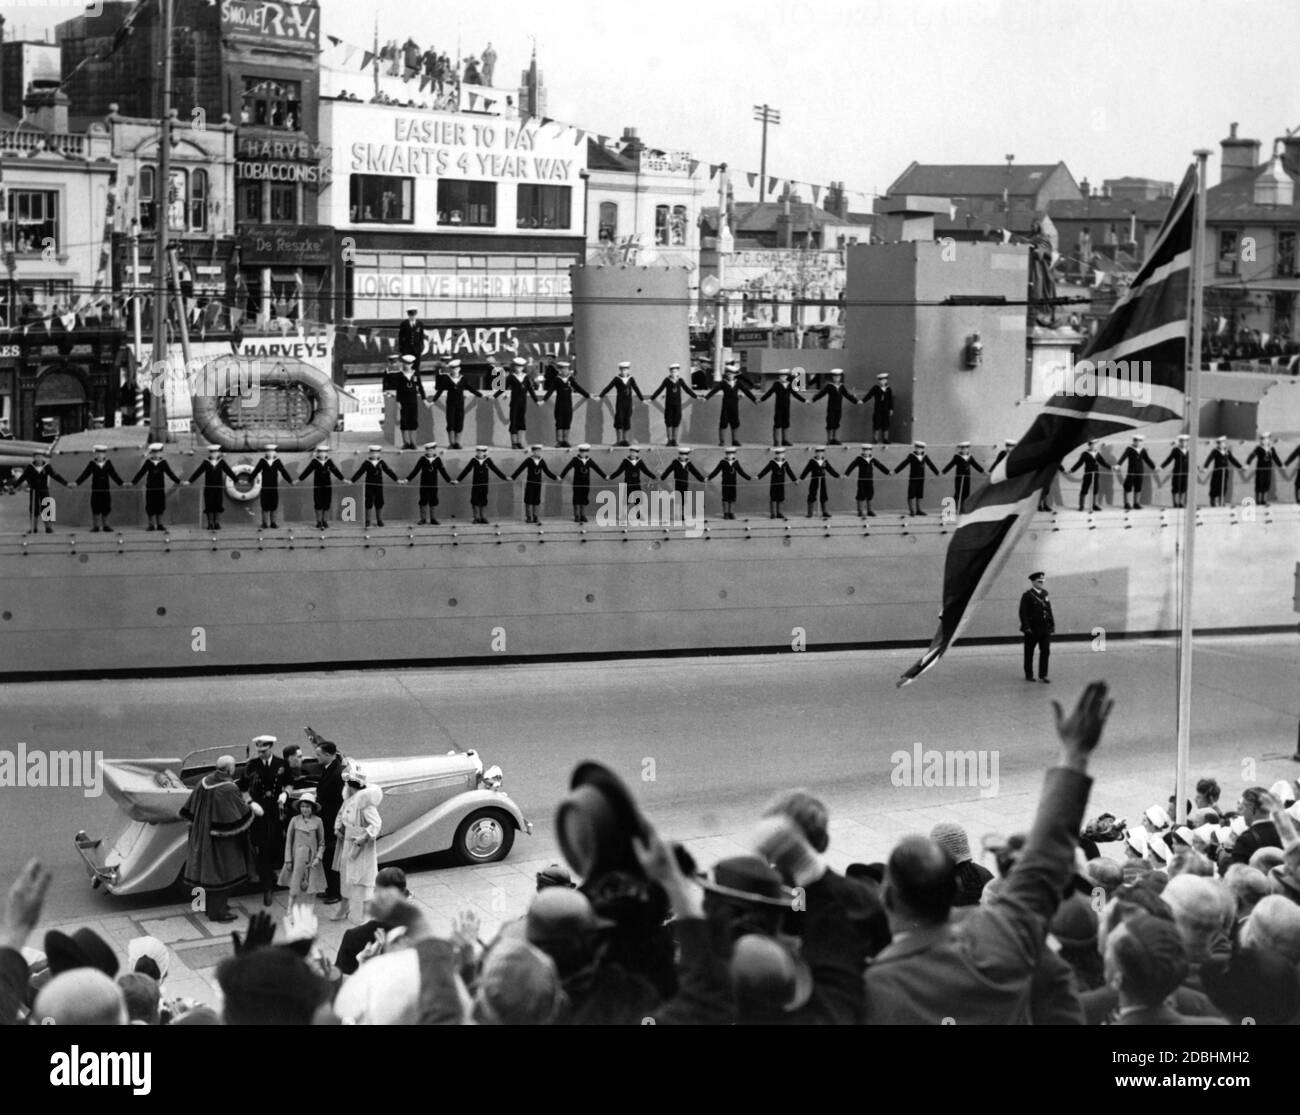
(481, 467)
(99, 470)
(582, 466)
(1037, 625)
(154, 473)
(428, 468)
(374, 470)
(270, 469)
(536, 468)
(321, 468)
(215, 473)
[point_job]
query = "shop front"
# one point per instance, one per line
(52, 386)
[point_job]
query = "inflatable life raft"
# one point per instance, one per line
(283, 402)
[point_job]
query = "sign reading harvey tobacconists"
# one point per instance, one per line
(279, 20)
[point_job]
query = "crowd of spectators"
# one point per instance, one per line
(1198, 924)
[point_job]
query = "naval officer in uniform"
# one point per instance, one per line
(1037, 625)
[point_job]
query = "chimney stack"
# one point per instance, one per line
(1274, 185)
(1240, 156)
(47, 109)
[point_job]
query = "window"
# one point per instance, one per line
(677, 227)
(199, 200)
(33, 221)
(383, 200)
(1228, 240)
(147, 178)
(269, 103)
(1286, 257)
(284, 203)
(543, 207)
(608, 223)
(661, 225)
(250, 202)
(467, 203)
(1283, 313)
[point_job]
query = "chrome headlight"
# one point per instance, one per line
(492, 778)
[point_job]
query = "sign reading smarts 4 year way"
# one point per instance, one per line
(432, 147)
(280, 21)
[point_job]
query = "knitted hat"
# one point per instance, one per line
(951, 837)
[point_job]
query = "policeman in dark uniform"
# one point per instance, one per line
(265, 777)
(731, 389)
(729, 468)
(409, 389)
(784, 391)
(100, 471)
(536, 469)
(411, 338)
(630, 470)
(883, 413)
(916, 462)
(582, 466)
(779, 470)
(818, 468)
(1092, 462)
(455, 388)
(681, 470)
(270, 468)
(1135, 456)
(215, 473)
(154, 473)
(37, 477)
(563, 388)
(1178, 458)
(1218, 461)
(963, 462)
(520, 391)
(672, 387)
(1264, 457)
(624, 387)
(374, 470)
(1037, 626)
(320, 468)
(482, 468)
(835, 393)
(428, 468)
(866, 466)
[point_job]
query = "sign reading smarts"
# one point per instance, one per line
(494, 151)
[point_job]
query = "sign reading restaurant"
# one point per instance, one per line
(433, 148)
(279, 20)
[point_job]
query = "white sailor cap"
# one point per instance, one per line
(683, 451)
(882, 375)
(99, 448)
(322, 449)
(407, 358)
(534, 448)
(41, 453)
(625, 363)
(214, 449)
(562, 365)
(270, 447)
(480, 449)
(264, 741)
(429, 445)
(837, 371)
(519, 362)
(963, 445)
(918, 445)
(1265, 436)
(1009, 442)
(778, 449)
(452, 364)
(155, 447)
(413, 310)
(634, 449)
(585, 447)
(820, 449)
(867, 448)
(1182, 437)
(1222, 437)
(731, 450)
(731, 366)
(375, 448)
(674, 365)
(1138, 437)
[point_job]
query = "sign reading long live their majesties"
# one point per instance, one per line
(496, 150)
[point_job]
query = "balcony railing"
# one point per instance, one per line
(26, 142)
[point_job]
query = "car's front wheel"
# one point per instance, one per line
(484, 837)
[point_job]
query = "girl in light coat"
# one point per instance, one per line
(304, 849)
(355, 856)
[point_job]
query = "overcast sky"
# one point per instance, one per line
(1112, 87)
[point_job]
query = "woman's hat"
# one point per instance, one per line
(83, 949)
(354, 773)
(595, 824)
(309, 796)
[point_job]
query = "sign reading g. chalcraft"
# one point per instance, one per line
(279, 20)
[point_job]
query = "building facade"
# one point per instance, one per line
(473, 220)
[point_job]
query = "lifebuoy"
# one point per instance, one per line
(242, 488)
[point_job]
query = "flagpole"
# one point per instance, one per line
(1191, 427)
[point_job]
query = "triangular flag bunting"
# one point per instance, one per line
(473, 100)
(334, 41)
(487, 104)
(581, 135)
(694, 163)
(602, 140)
(817, 193)
(349, 53)
(771, 185)
(713, 171)
(366, 59)
(752, 178)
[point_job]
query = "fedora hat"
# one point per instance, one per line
(83, 949)
(750, 880)
(595, 824)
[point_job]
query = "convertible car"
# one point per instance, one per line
(431, 804)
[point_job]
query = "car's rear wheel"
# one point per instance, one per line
(484, 837)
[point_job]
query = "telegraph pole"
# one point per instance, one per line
(161, 261)
(767, 115)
